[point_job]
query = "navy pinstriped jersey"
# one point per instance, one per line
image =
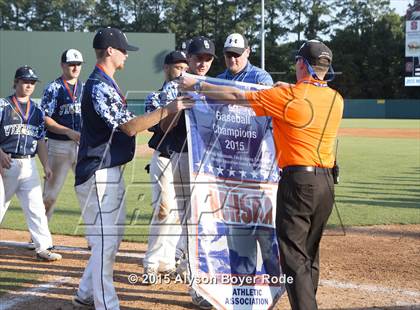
(102, 144)
(173, 140)
(176, 139)
(250, 74)
(17, 135)
(58, 104)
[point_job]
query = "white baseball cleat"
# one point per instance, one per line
(49, 256)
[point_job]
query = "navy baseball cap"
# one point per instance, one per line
(26, 73)
(313, 51)
(175, 57)
(201, 45)
(112, 37)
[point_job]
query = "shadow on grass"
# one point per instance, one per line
(394, 203)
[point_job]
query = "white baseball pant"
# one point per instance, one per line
(170, 193)
(103, 209)
(62, 156)
(23, 180)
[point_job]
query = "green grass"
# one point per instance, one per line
(66, 218)
(143, 138)
(380, 123)
(380, 181)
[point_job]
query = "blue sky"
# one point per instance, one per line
(400, 6)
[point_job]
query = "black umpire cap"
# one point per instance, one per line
(26, 73)
(313, 51)
(201, 45)
(112, 37)
(175, 57)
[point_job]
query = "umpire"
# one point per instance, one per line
(306, 117)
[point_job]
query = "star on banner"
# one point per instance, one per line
(220, 170)
(254, 174)
(243, 173)
(210, 168)
(231, 172)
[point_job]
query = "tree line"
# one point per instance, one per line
(366, 36)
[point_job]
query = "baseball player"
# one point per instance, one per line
(200, 55)
(21, 137)
(61, 104)
(107, 142)
(160, 255)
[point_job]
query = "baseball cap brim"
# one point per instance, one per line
(73, 62)
(236, 50)
(204, 51)
(175, 61)
(32, 79)
(132, 48)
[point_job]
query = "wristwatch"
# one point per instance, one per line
(197, 86)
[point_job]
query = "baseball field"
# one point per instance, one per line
(370, 255)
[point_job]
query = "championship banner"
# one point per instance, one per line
(233, 251)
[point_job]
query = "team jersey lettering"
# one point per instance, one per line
(18, 135)
(21, 129)
(73, 108)
(63, 106)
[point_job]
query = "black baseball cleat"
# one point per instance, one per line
(82, 303)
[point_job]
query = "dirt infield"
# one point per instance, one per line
(367, 268)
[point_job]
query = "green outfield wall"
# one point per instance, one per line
(42, 50)
(381, 108)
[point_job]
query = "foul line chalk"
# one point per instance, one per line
(369, 288)
(30, 293)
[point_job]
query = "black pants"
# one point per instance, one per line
(304, 203)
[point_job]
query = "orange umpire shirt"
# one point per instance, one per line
(306, 118)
